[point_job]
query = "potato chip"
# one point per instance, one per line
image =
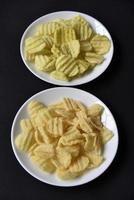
(64, 157)
(59, 75)
(34, 107)
(44, 135)
(26, 125)
(63, 35)
(74, 47)
(42, 117)
(85, 46)
(23, 141)
(95, 159)
(55, 126)
(79, 165)
(45, 150)
(93, 58)
(66, 174)
(83, 65)
(44, 63)
(47, 29)
(101, 44)
(106, 134)
(73, 150)
(95, 110)
(71, 137)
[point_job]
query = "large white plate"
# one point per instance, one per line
(97, 26)
(49, 96)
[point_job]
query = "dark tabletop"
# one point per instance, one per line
(114, 87)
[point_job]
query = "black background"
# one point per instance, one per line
(114, 87)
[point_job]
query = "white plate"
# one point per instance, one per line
(52, 95)
(97, 26)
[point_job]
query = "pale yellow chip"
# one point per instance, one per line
(55, 126)
(64, 157)
(42, 117)
(59, 75)
(106, 135)
(24, 140)
(26, 125)
(95, 159)
(79, 165)
(45, 150)
(44, 63)
(101, 44)
(65, 174)
(34, 107)
(95, 110)
(93, 58)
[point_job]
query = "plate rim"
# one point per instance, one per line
(41, 179)
(52, 81)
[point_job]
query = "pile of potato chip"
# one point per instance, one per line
(66, 49)
(66, 137)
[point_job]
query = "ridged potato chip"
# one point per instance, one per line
(64, 157)
(59, 75)
(93, 58)
(55, 126)
(101, 44)
(65, 174)
(44, 63)
(34, 107)
(79, 165)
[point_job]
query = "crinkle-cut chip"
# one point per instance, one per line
(34, 107)
(73, 150)
(71, 137)
(55, 126)
(56, 51)
(79, 165)
(74, 47)
(83, 65)
(95, 159)
(44, 63)
(65, 174)
(58, 105)
(71, 104)
(45, 135)
(83, 122)
(29, 57)
(85, 46)
(31, 149)
(61, 22)
(43, 117)
(37, 137)
(101, 44)
(65, 63)
(56, 162)
(26, 125)
(93, 58)
(83, 31)
(59, 75)
(65, 49)
(43, 163)
(106, 134)
(89, 142)
(95, 127)
(95, 110)
(79, 19)
(97, 121)
(63, 35)
(34, 45)
(74, 72)
(47, 28)
(48, 40)
(65, 114)
(45, 150)
(64, 157)
(24, 140)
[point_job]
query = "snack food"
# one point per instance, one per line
(66, 49)
(65, 138)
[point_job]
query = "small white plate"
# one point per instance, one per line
(97, 26)
(52, 95)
